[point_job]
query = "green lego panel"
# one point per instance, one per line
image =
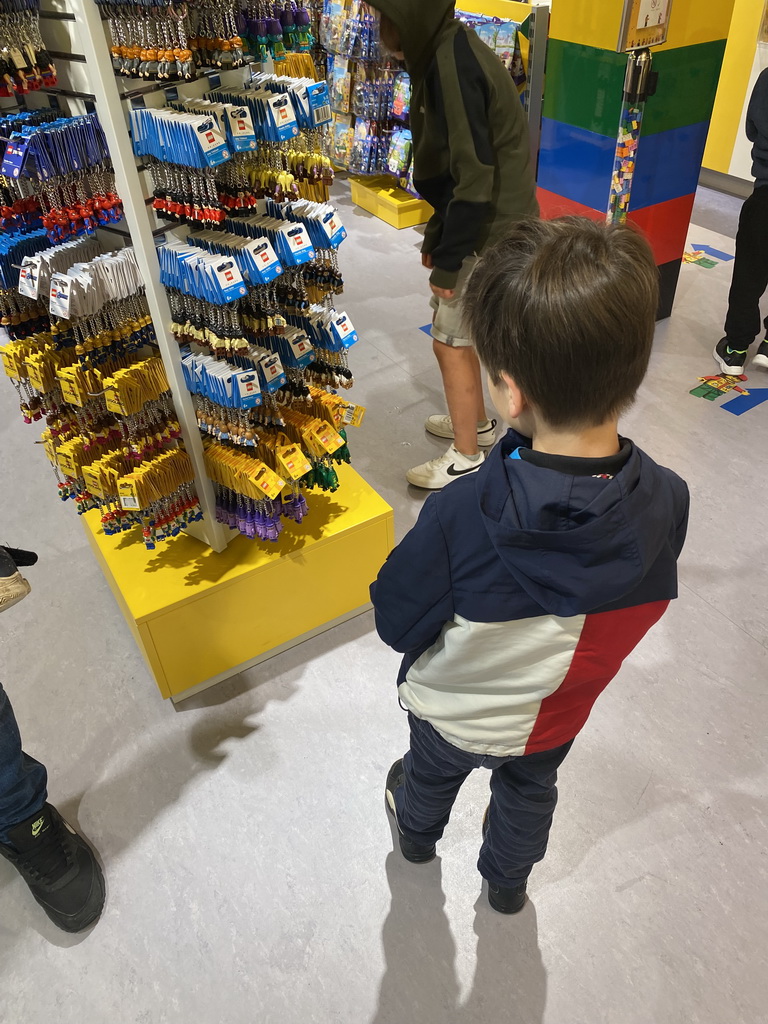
(688, 79)
(584, 87)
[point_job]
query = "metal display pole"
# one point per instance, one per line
(113, 120)
(539, 41)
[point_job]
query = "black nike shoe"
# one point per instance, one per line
(504, 899)
(59, 867)
(761, 356)
(730, 360)
(413, 852)
(13, 586)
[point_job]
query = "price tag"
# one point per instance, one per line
(113, 402)
(129, 499)
(29, 276)
(267, 481)
(343, 331)
(283, 117)
(13, 161)
(11, 364)
(293, 462)
(274, 374)
(241, 129)
(353, 415)
(212, 143)
(327, 438)
(60, 295)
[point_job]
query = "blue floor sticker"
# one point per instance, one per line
(427, 329)
(716, 254)
(744, 403)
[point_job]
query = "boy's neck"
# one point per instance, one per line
(584, 443)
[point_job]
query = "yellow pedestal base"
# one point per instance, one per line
(384, 198)
(200, 618)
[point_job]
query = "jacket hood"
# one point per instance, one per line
(420, 22)
(575, 544)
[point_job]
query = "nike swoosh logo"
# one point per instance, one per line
(37, 827)
(452, 471)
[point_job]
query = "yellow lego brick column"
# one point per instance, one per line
(200, 617)
(741, 67)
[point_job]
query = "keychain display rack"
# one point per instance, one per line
(215, 395)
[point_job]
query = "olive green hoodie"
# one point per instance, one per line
(472, 157)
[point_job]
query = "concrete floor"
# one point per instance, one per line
(249, 861)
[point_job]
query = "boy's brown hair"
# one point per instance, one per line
(567, 309)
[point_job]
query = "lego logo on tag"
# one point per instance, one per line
(210, 138)
(343, 326)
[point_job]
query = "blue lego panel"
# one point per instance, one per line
(576, 163)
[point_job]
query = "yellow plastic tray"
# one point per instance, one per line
(389, 202)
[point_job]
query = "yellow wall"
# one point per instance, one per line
(734, 83)
(598, 22)
(507, 9)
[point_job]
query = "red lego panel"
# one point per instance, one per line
(553, 206)
(666, 227)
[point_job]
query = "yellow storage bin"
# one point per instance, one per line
(390, 203)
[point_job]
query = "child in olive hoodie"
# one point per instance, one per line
(472, 163)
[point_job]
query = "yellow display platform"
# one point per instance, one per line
(390, 203)
(199, 617)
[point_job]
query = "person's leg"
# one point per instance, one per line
(750, 272)
(523, 801)
(435, 771)
(23, 780)
(460, 370)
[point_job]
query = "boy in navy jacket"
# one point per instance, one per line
(522, 588)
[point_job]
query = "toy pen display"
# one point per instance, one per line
(639, 85)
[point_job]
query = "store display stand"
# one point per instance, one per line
(200, 618)
(206, 606)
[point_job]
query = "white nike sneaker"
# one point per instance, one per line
(442, 426)
(435, 474)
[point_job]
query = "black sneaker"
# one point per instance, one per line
(59, 867)
(730, 360)
(413, 852)
(761, 356)
(13, 586)
(505, 900)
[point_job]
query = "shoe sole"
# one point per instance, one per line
(728, 371)
(483, 440)
(761, 361)
(417, 482)
(12, 590)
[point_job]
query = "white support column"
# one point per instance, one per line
(113, 120)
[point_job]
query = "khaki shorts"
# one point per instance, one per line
(447, 324)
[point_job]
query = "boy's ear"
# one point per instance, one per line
(518, 403)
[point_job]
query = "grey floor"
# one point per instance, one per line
(249, 861)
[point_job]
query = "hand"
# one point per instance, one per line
(426, 260)
(443, 293)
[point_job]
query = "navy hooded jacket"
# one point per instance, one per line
(521, 590)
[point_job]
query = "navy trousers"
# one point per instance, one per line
(23, 780)
(523, 800)
(750, 272)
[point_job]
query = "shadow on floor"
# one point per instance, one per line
(421, 983)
